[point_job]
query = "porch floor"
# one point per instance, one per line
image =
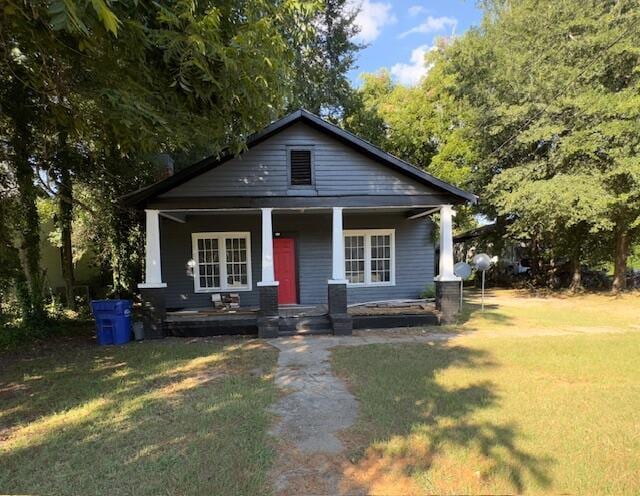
(417, 307)
(284, 311)
(209, 314)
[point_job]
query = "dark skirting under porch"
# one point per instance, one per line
(291, 321)
(392, 321)
(208, 325)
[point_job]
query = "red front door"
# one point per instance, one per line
(284, 262)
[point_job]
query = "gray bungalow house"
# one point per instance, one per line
(309, 214)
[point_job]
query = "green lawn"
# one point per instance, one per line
(512, 312)
(168, 417)
(496, 411)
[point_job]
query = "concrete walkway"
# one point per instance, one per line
(315, 408)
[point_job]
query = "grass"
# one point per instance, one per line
(512, 311)
(495, 412)
(169, 417)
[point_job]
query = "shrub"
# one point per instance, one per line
(429, 291)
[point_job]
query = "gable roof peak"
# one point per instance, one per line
(300, 115)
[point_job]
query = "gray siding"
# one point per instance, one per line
(262, 171)
(413, 243)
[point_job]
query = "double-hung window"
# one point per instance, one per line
(222, 261)
(369, 257)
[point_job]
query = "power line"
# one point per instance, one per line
(564, 89)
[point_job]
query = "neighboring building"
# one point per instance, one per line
(516, 261)
(85, 269)
(513, 255)
(309, 214)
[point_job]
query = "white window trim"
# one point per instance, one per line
(221, 237)
(367, 233)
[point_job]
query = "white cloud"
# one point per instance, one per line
(415, 10)
(432, 25)
(371, 18)
(410, 74)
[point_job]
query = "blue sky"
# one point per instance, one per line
(399, 33)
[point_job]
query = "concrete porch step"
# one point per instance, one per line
(302, 310)
(317, 324)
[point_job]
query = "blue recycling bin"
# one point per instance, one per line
(113, 321)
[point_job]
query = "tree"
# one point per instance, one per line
(366, 117)
(11, 273)
(425, 125)
(322, 40)
(562, 215)
(554, 91)
(112, 82)
(61, 169)
(20, 109)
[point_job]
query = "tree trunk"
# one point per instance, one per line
(30, 219)
(621, 237)
(535, 263)
(576, 277)
(66, 217)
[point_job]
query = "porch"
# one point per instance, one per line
(291, 270)
(297, 319)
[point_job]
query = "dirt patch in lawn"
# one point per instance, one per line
(378, 475)
(297, 473)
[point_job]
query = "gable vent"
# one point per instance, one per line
(300, 167)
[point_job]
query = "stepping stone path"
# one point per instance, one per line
(316, 406)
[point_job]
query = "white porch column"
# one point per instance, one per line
(152, 270)
(268, 277)
(337, 236)
(445, 272)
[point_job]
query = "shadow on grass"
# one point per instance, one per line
(140, 419)
(16, 337)
(491, 313)
(411, 424)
